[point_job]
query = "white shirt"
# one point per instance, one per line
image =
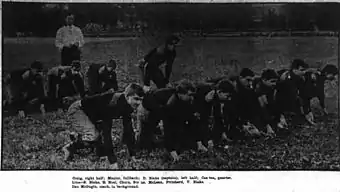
(68, 35)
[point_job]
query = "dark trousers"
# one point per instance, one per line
(156, 75)
(69, 54)
(180, 135)
(147, 121)
(91, 134)
(173, 134)
(209, 125)
(180, 127)
(66, 87)
(217, 120)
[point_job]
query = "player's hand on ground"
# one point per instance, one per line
(251, 129)
(225, 137)
(21, 114)
(283, 121)
(309, 118)
(201, 147)
(174, 156)
(270, 132)
(210, 145)
(42, 110)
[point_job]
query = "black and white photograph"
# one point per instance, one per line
(170, 86)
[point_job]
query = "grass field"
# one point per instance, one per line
(31, 143)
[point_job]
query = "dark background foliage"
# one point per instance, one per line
(41, 19)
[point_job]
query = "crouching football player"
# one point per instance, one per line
(248, 107)
(288, 87)
(174, 107)
(180, 122)
(314, 86)
(65, 85)
(265, 90)
(25, 87)
(92, 120)
(209, 102)
(150, 64)
(102, 77)
(149, 114)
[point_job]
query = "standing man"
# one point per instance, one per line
(150, 64)
(69, 40)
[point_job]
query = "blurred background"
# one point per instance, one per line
(102, 19)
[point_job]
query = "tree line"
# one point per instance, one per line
(41, 19)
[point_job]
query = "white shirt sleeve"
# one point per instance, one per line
(80, 37)
(59, 39)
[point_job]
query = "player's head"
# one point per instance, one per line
(171, 42)
(37, 67)
(69, 19)
(269, 77)
(299, 64)
(185, 90)
(134, 94)
(75, 67)
(225, 89)
(112, 65)
(246, 78)
(330, 71)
